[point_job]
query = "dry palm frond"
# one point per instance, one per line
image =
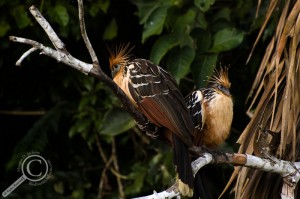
(276, 104)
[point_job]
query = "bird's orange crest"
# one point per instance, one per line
(119, 54)
(221, 77)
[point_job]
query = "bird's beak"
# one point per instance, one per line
(113, 73)
(226, 91)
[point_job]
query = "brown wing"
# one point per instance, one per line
(159, 99)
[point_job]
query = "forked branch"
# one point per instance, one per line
(61, 54)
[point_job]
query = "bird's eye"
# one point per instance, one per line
(117, 67)
(223, 89)
(220, 87)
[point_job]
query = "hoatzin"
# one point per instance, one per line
(154, 93)
(211, 110)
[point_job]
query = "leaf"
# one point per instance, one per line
(81, 126)
(145, 9)
(185, 20)
(21, 16)
(154, 25)
(98, 5)
(203, 67)
(61, 15)
(202, 22)
(179, 61)
(226, 39)
(111, 30)
(115, 122)
(4, 27)
(161, 47)
(202, 38)
(204, 5)
(224, 13)
(138, 174)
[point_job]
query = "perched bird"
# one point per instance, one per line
(154, 92)
(211, 110)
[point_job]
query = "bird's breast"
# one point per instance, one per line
(218, 120)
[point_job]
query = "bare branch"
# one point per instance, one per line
(28, 52)
(84, 34)
(57, 43)
(67, 59)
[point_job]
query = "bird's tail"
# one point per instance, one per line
(200, 191)
(182, 161)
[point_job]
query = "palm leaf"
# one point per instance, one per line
(275, 103)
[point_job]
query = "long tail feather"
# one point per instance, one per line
(182, 161)
(200, 190)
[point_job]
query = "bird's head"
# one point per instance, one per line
(220, 81)
(119, 56)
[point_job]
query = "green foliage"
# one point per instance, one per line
(111, 30)
(115, 122)
(155, 22)
(186, 25)
(179, 61)
(4, 27)
(203, 67)
(162, 46)
(226, 39)
(96, 6)
(21, 16)
(204, 5)
(60, 15)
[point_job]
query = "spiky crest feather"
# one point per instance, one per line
(119, 54)
(221, 77)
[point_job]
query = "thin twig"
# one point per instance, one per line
(23, 113)
(106, 167)
(84, 34)
(100, 149)
(103, 178)
(28, 52)
(112, 159)
(116, 165)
